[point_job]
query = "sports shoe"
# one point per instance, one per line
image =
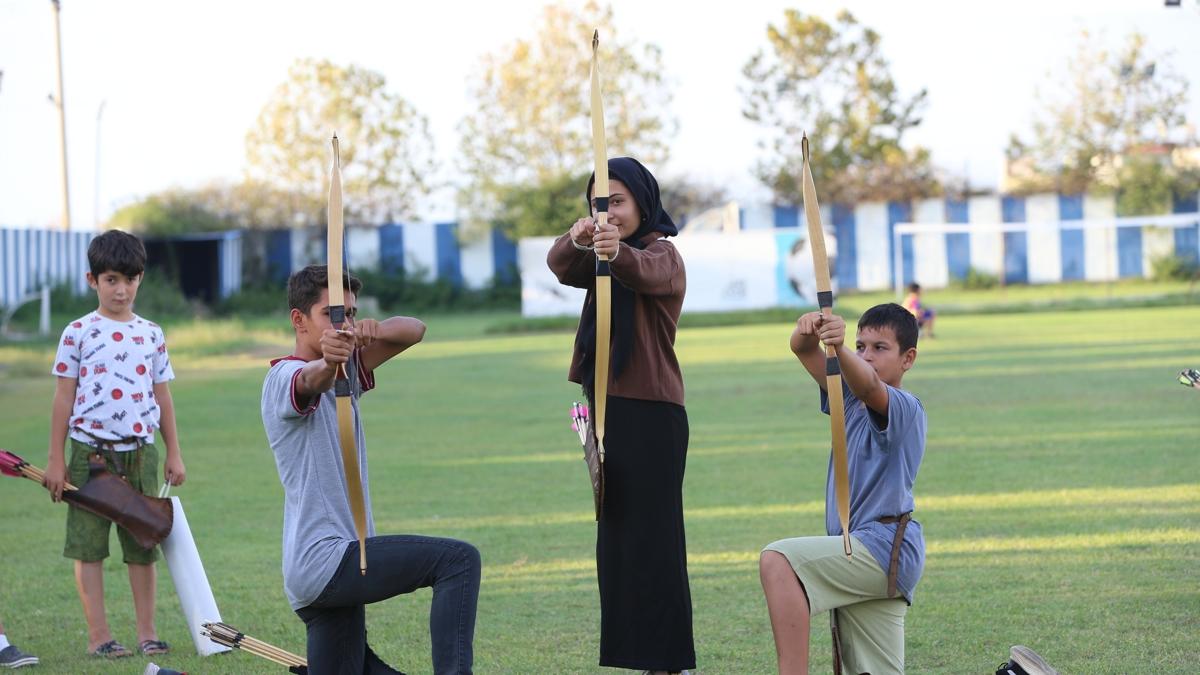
(1189, 377)
(155, 669)
(11, 657)
(1024, 661)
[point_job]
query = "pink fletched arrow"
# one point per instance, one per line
(10, 464)
(13, 465)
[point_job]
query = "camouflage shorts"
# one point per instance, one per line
(87, 533)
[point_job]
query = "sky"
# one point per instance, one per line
(181, 82)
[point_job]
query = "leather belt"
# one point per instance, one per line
(901, 522)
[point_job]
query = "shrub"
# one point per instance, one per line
(160, 298)
(156, 298)
(977, 279)
(415, 292)
(260, 299)
(1173, 268)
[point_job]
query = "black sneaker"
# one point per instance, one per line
(1189, 377)
(1024, 661)
(11, 657)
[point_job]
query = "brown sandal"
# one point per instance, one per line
(151, 647)
(111, 650)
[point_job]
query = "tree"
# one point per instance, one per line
(527, 150)
(530, 210)
(168, 213)
(220, 206)
(685, 197)
(544, 209)
(257, 205)
(833, 82)
(386, 147)
(1113, 120)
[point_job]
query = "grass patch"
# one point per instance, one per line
(1059, 493)
(1020, 299)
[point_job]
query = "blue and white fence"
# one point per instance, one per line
(430, 250)
(1041, 238)
(230, 263)
(33, 259)
(1036, 239)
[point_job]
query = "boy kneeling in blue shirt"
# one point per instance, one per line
(867, 595)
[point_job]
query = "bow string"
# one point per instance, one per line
(603, 278)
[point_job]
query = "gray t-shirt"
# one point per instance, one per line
(883, 457)
(317, 522)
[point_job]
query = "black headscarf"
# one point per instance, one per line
(643, 188)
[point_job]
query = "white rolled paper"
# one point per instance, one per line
(191, 583)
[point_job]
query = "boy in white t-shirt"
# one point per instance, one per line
(112, 395)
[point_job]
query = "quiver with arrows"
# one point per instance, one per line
(111, 497)
(595, 471)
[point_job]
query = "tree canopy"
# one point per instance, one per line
(386, 147)
(527, 147)
(1113, 120)
(832, 81)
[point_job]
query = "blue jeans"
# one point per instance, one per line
(396, 564)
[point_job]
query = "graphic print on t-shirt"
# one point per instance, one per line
(117, 364)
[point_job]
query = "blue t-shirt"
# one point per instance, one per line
(883, 458)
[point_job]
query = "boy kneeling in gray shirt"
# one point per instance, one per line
(320, 547)
(867, 595)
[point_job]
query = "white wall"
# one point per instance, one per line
(987, 248)
(871, 238)
(420, 249)
(1043, 243)
(476, 259)
(929, 249)
(1099, 244)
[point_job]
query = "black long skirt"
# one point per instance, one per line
(641, 555)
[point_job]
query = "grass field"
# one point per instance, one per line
(1059, 494)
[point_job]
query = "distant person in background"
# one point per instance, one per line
(10, 656)
(912, 302)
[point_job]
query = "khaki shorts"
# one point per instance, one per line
(870, 624)
(87, 533)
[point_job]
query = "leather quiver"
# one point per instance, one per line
(148, 519)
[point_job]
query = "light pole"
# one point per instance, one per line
(96, 190)
(62, 119)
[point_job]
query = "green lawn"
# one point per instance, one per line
(1059, 495)
(1021, 297)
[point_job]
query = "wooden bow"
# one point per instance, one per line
(833, 369)
(341, 383)
(603, 279)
